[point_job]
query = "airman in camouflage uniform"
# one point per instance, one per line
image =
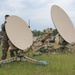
(13, 49)
(5, 44)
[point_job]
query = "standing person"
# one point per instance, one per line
(5, 44)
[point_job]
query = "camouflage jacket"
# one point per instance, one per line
(4, 35)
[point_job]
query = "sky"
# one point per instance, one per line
(38, 12)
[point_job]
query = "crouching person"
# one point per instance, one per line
(13, 50)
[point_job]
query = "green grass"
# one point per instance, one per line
(60, 64)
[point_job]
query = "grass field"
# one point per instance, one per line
(60, 64)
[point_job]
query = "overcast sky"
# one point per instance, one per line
(37, 11)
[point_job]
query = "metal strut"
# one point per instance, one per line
(19, 58)
(22, 57)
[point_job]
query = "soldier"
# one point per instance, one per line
(13, 50)
(5, 44)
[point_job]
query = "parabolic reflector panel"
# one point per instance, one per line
(18, 32)
(63, 23)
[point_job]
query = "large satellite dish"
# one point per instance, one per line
(18, 32)
(63, 24)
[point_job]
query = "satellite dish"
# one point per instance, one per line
(63, 24)
(18, 32)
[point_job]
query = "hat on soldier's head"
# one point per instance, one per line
(6, 15)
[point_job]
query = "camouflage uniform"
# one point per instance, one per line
(5, 44)
(13, 49)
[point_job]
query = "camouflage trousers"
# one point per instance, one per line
(5, 47)
(12, 53)
(4, 53)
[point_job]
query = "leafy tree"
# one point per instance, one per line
(55, 32)
(36, 32)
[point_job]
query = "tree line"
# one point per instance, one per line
(38, 32)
